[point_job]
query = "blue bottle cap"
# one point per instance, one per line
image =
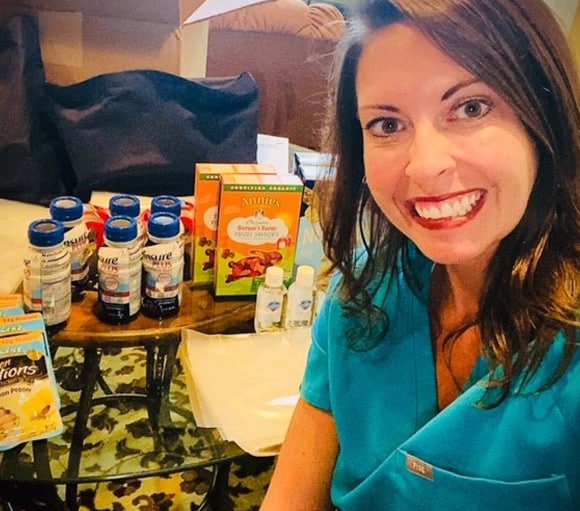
(66, 208)
(124, 204)
(168, 203)
(120, 228)
(46, 232)
(163, 225)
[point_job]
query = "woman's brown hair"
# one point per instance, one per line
(533, 283)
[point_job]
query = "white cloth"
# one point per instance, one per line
(245, 385)
(15, 217)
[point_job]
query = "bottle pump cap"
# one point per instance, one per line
(66, 208)
(305, 276)
(274, 276)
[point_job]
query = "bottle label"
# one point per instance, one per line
(163, 270)
(47, 284)
(77, 241)
(120, 280)
(269, 306)
(299, 307)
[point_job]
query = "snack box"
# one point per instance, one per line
(257, 228)
(24, 323)
(11, 304)
(207, 190)
(29, 402)
(312, 168)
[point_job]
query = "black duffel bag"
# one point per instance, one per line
(143, 131)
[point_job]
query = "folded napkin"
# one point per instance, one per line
(245, 385)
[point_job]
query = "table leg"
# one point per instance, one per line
(160, 364)
(219, 497)
(90, 374)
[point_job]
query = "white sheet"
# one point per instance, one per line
(245, 385)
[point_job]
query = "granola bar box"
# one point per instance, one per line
(29, 405)
(207, 190)
(257, 227)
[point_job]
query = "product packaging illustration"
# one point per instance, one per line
(11, 304)
(207, 191)
(29, 400)
(257, 228)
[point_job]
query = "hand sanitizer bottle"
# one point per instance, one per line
(270, 301)
(300, 304)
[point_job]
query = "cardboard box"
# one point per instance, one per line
(84, 38)
(257, 228)
(29, 399)
(207, 191)
(311, 167)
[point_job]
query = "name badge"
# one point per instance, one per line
(419, 467)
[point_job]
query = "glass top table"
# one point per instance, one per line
(124, 399)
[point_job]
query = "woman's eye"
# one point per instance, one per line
(472, 109)
(384, 126)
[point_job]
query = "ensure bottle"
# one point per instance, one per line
(124, 204)
(119, 268)
(162, 266)
(172, 204)
(69, 211)
(47, 277)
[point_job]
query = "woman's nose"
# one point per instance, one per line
(429, 152)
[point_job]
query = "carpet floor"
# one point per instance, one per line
(248, 480)
(124, 371)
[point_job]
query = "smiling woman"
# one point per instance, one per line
(448, 139)
(447, 346)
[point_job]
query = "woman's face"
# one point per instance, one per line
(446, 158)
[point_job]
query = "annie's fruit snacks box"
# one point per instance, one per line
(257, 228)
(29, 404)
(207, 191)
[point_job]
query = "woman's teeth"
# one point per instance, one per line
(452, 208)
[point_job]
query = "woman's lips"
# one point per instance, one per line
(446, 211)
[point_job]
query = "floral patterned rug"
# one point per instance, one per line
(186, 491)
(182, 491)
(248, 481)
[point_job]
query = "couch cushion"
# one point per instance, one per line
(288, 47)
(321, 21)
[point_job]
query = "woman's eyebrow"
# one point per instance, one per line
(459, 86)
(386, 108)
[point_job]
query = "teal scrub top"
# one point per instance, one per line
(398, 453)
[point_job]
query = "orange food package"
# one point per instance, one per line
(207, 190)
(257, 227)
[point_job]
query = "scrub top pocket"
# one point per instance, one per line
(421, 486)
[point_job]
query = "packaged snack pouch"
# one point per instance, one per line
(29, 404)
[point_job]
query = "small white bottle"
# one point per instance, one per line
(270, 301)
(301, 295)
